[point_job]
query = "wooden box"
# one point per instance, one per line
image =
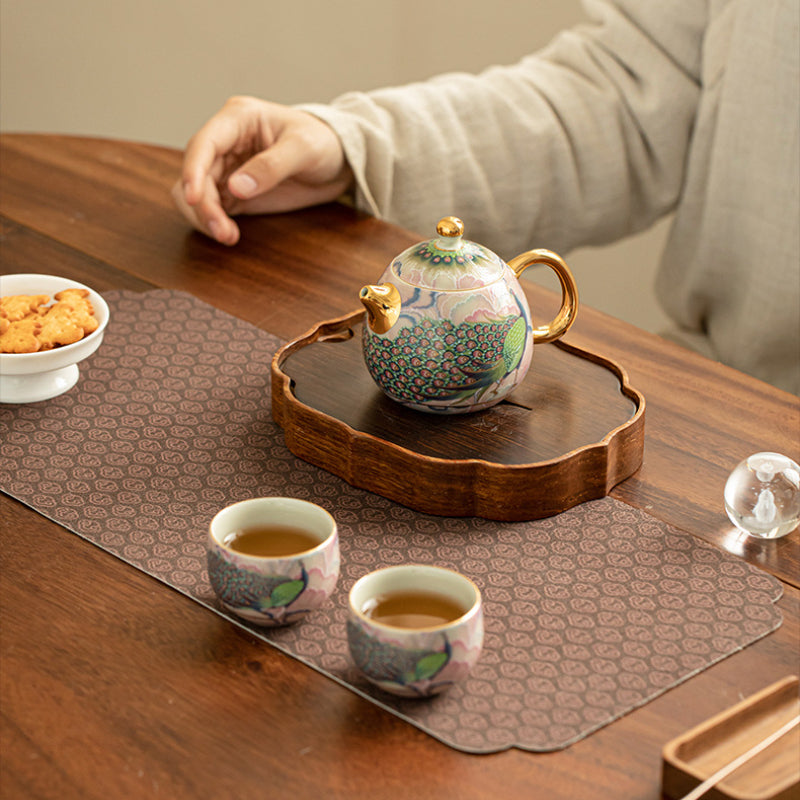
(773, 774)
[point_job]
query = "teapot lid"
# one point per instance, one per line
(448, 262)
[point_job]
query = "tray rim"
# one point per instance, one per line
(673, 762)
(285, 404)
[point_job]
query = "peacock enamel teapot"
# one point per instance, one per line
(448, 327)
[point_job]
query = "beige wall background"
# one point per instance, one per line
(155, 70)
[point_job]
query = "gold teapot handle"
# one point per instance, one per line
(569, 292)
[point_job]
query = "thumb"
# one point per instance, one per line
(270, 167)
(243, 185)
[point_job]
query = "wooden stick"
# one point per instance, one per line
(723, 772)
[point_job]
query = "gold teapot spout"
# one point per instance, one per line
(383, 306)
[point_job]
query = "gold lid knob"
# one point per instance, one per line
(450, 226)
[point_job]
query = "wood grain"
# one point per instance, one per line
(110, 201)
(113, 685)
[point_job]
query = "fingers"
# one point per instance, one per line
(258, 157)
(304, 165)
(207, 150)
(206, 216)
(224, 230)
(201, 194)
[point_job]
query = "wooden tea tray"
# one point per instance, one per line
(772, 774)
(569, 433)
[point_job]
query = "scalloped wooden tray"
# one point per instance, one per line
(569, 433)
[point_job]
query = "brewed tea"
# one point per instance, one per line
(413, 609)
(271, 540)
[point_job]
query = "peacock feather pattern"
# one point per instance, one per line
(245, 588)
(436, 360)
(386, 663)
(427, 254)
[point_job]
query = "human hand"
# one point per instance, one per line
(256, 157)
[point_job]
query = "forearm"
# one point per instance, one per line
(579, 144)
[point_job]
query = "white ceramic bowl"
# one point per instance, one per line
(31, 377)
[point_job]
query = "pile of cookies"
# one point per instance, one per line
(29, 324)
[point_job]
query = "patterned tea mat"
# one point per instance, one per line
(589, 614)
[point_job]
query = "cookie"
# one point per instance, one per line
(77, 300)
(18, 306)
(58, 327)
(20, 336)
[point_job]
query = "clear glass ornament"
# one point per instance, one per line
(762, 495)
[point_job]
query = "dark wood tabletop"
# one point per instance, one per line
(113, 685)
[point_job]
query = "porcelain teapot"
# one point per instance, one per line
(448, 325)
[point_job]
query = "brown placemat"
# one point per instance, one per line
(589, 614)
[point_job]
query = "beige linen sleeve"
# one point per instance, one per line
(578, 144)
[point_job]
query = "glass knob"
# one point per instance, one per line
(762, 495)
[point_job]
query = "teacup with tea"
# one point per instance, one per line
(414, 629)
(272, 560)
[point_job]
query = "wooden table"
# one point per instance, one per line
(115, 686)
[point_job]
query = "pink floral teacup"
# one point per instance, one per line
(272, 560)
(415, 630)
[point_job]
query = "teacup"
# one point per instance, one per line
(272, 560)
(415, 630)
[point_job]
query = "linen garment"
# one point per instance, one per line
(691, 106)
